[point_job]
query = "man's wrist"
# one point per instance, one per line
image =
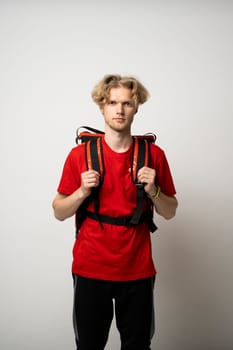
(156, 193)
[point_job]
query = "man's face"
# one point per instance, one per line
(119, 110)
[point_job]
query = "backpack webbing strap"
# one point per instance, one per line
(94, 155)
(95, 161)
(147, 217)
(139, 203)
(140, 158)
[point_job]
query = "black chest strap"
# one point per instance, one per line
(147, 217)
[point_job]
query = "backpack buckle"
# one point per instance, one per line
(140, 185)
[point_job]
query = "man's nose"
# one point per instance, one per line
(119, 108)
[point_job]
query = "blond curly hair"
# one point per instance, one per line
(100, 93)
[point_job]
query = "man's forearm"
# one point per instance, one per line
(165, 205)
(66, 206)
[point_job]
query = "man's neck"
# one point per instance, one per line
(118, 141)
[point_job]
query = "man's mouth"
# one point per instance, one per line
(119, 119)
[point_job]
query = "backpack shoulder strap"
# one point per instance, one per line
(94, 155)
(94, 159)
(140, 156)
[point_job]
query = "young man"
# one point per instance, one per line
(110, 261)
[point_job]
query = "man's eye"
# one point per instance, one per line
(112, 102)
(128, 104)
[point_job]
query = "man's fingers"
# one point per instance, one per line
(90, 178)
(146, 174)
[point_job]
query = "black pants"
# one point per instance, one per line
(93, 312)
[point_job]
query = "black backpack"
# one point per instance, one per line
(94, 158)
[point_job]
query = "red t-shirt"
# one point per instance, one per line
(113, 252)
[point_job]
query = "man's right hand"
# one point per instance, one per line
(89, 179)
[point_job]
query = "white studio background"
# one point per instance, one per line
(52, 54)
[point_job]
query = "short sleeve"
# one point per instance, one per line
(73, 166)
(163, 173)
